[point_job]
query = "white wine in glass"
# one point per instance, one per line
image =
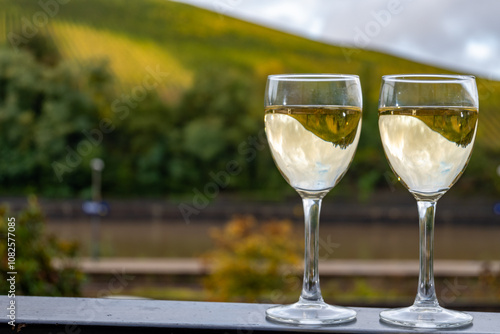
(313, 146)
(313, 123)
(427, 125)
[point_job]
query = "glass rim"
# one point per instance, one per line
(312, 77)
(428, 78)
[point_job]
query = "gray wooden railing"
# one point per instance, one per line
(91, 315)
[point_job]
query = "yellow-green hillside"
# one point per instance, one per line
(182, 40)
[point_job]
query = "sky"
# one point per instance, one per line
(460, 35)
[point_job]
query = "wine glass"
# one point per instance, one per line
(313, 123)
(427, 125)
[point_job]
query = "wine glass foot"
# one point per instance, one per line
(310, 313)
(426, 317)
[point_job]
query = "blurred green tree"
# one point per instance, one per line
(46, 115)
(216, 124)
(35, 256)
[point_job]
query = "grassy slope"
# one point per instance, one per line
(183, 40)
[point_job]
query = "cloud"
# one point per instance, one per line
(460, 35)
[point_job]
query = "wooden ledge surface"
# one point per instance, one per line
(107, 315)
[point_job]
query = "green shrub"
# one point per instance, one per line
(35, 254)
(254, 262)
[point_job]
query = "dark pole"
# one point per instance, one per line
(97, 165)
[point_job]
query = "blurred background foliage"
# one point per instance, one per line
(86, 65)
(254, 262)
(167, 95)
(46, 264)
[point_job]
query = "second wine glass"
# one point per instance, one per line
(313, 123)
(427, 125)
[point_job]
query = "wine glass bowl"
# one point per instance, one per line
(312, 145)
(313, 124)
(428, 126)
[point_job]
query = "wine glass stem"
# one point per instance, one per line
(310, 286)
(426, 296)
